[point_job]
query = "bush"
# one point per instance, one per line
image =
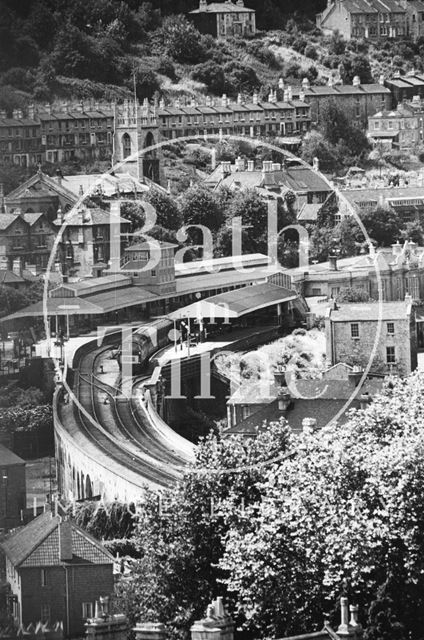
(166, 68)
(311, 52)
(239, 76)
(181, 40)
(211, 74)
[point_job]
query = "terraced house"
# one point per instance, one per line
(372, 19)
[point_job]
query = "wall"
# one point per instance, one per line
(341, 347)
(12, 495)
(86, 583)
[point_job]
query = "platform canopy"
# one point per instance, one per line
(236, 303)
(95, 304)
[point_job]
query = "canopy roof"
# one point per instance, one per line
(96, 304)
(234, 304)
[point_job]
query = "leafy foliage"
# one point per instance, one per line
(180, 538)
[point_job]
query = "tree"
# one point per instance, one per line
(198, 205)
(180, 537)
(357, 65)
(11, 300)
(167, 211)
(181, 40)
(344, 512)
(110, 521)
(382, 225)
(211, 74)
(413, 231)
(314, 145)
(353, 294)
(253, 211)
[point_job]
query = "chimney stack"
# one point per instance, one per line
(17, 266)
(332, 263)
(65, 541)
(355, 376)
(250, 165)
(226, 168)
(344, 618)
(309, 425)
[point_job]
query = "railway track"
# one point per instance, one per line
(115, 430)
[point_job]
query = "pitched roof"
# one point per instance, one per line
(107, 182)
(90, 217)
(6, 219)
(224, 7)
(37, 545)
(8, 277)
(8, 458)
(49, 183)
(370, 311)
(31, 218)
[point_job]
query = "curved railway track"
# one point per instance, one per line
(115, 429)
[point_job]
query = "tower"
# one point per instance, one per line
(135, 129)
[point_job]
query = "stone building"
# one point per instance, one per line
(401, 128)
(136, 129)
(273, 180)
(224, 19)
(352, 331)
(369, 19)
(12, 489)
(316, 402)
(85, 245)
(407, 201)
(279, 114)
(26, 241)
(400, 268)
(59, 133)
(405, 87)
(159, 279)
(358, 100)
(56, 572)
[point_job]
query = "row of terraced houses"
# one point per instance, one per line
(85, 130)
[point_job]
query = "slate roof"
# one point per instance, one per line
(49, 184)
(8, 277)
(6, 219)
(223, 7)
(8, 458)
(370, 311)
(323, 409)
(91, 217)
(294, 177)
(37, 545)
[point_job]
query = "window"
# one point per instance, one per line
(43, 577)
(153, 272)
(354, 330)
(245, 412)
(390, 355)
(390, 327)
(126, 145)
(87, 610)
(45, 612)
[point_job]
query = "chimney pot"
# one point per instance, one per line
(309, 425)
(332, 263)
